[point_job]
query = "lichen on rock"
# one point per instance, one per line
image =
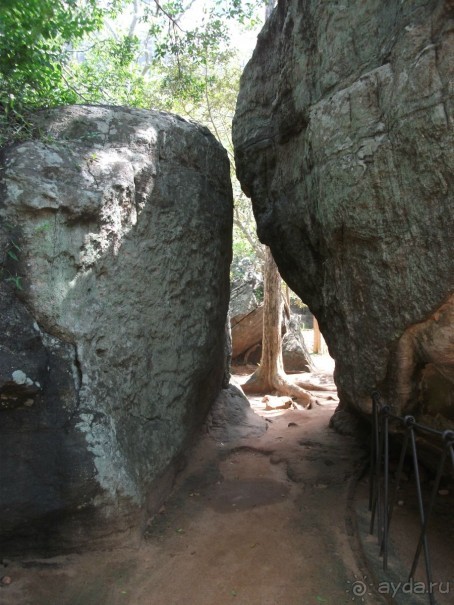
(344, 142)
(122, 219)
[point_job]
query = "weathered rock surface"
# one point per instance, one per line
(243, 298)
(294, 351)
(115, 249)
(247, 331)
(344, 141)
(246, 317)
(232, 417)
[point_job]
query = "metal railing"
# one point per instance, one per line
(381, 500)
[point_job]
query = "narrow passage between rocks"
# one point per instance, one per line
(255, 521)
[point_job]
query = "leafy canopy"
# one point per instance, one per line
(34, 38)
(54, 52)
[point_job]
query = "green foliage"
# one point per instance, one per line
(16, 280)
(34, 41)
(191, 56)
(129, 52)
(110, 73)
(159, 54)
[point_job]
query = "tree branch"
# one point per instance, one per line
(111, 29)
(168, 15)
(135, 18)
(78, 93)
(256, 247)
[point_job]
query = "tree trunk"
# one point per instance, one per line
(317, 340)
(270, 375)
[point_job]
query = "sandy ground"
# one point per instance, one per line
(269, 520)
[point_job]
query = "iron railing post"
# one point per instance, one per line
(380, 503)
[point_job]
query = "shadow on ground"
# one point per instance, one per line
(267, 520)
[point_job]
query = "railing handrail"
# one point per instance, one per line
(380, 503)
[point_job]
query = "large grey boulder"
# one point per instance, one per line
(344, 141)
(242, 298)
(115, 248)
(295, 354)
(247, 331)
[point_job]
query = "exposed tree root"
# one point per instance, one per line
(278, 383)
(310, 386)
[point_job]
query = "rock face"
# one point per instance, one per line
(247, 331)
(246, 317)
(294, 351)
(344, 141)
(242, 297)
(115, 246)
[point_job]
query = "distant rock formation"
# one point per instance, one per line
(246, 320)
(344, 141)
(115, 245)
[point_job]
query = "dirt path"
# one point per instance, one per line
(262, 521)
